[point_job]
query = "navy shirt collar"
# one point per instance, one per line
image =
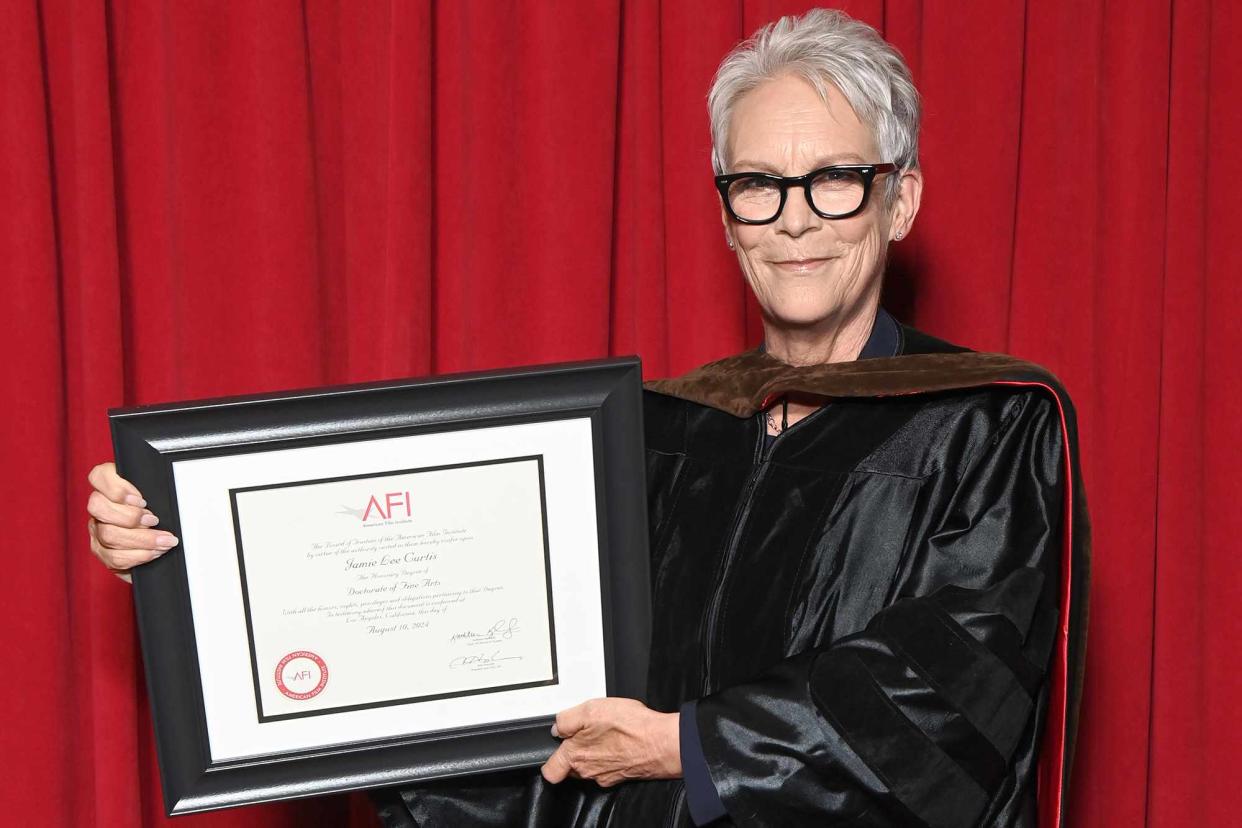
(885, 338)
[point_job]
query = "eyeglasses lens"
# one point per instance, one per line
(755, 199)
(837, 192)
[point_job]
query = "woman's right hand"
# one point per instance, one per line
(121, 530)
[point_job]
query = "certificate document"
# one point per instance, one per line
(447, 565)
(399, 585)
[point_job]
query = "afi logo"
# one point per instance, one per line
(393, 503)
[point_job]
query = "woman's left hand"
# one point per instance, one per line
(611, 740)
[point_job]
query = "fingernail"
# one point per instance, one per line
(166, 541)
(556, 734)
(148, 520)
(135, 500)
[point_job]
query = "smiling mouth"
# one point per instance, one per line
(799, 265)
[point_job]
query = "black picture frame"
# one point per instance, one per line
(149, 439)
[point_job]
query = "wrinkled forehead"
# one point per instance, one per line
(784, 126)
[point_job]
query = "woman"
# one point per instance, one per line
(860, 536)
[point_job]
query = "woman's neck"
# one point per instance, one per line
(833, 342)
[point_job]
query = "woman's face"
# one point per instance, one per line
(808, 272)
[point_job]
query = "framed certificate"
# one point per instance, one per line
(385, 583)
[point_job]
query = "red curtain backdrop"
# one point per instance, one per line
(204, 198)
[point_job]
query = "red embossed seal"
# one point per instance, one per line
(301, 675)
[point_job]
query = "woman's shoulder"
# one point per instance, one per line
(984, 375)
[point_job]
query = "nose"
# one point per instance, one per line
(797, 217)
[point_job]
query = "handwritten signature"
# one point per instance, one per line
(480, 661)
(502, 630)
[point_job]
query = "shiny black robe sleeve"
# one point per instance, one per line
(918, 718)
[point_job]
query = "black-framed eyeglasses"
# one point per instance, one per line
(834, 192)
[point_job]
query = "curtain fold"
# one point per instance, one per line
(214, 198)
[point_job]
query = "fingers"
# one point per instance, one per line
(127, 527)
(558, 765)
(576, 755)
(103, 478)
(118, 514)
(118, 537)
(130, 552)
(581, 762)
(570, 721)
(120, 524)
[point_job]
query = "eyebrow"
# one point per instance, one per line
(744, 165)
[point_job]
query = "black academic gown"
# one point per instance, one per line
(880, 616)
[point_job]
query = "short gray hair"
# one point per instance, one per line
(825, 47)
